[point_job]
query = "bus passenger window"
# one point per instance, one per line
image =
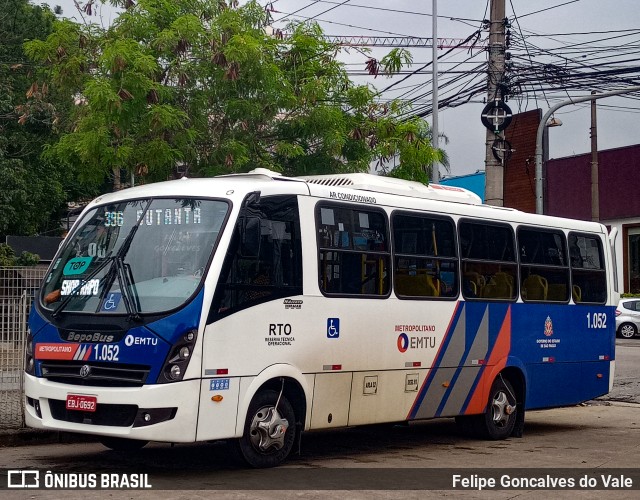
(353, 250)
(425, 259)
(588, 275)
(488, 260)
(544, 267)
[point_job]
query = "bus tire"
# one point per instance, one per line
(499, 419)
(269, 432)
(122, 444)
(627, 331)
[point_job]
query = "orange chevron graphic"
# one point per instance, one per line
(496, 362)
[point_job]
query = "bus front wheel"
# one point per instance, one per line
(500, 417)
(269, 430)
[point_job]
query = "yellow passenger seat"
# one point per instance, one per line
(576, 293)
(535, 287)
(419, 285)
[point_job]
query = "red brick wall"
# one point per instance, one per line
(520, 169)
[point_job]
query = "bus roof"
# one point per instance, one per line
(390, 185)
(236, 186)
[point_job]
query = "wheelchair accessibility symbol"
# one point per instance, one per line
(333, 328)
(111, 302)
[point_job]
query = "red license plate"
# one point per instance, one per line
(80, 402)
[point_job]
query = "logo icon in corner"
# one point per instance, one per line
(23, 479)
(548, 327)
(85, 371)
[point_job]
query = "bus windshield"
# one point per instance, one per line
(133, 257)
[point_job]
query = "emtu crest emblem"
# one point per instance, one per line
(548, 327)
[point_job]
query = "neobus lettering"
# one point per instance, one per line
(279, 329)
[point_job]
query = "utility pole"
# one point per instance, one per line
(494, 169)
(435, 174)
(595, 195)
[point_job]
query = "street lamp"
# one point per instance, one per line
(554, 122)
(551, 122)
(542, 126)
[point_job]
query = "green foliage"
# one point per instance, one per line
(205, 84)
(395, 60)
(8, 257)
(32, 190)
(28, 259)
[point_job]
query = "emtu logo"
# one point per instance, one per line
(403, 342)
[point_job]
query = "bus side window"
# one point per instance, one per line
(425, 263)
(489, 266)
(544, 267)
(353, 250)
(275, 271)
(588, 275)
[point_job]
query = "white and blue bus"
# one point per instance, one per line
(254, 307)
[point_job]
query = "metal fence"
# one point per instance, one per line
(17, 286)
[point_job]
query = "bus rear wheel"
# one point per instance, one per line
(269, 430)
(500, 417)
(122, 444)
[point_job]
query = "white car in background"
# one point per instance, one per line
(628, 318)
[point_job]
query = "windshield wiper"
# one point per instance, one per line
(128, 290)
(126, 282)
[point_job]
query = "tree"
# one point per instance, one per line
(210, 86)
(392, 167)
(31, 190)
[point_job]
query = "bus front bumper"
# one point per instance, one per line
(163, 412)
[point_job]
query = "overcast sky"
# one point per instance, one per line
(458, 19)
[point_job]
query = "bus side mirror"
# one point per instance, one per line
(250, 237)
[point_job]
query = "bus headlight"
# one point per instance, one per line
(176, 363)
(174, 372)
(29, 362)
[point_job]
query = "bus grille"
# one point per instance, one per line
(105, 414)
(101, 375)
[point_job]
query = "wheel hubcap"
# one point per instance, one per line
(268, 429)
(501, 409)
(627, 331)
